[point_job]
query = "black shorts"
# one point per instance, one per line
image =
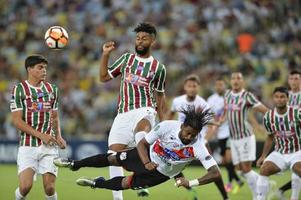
(141, 178)
(223, 145)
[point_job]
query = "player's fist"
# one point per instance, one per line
(182, 182)
(260, 161)
(48, 139)
(151, 166)
(108, 47)
(61, 142)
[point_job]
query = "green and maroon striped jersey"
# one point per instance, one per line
(236, 107)
(36, 104)
(295, 99)
(286, 129)
(140, 77)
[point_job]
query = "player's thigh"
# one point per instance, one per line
(295, 162)
(130, 161)
(46, 157)
(234, 151)
(147, 179)
(26, 179)
(121, 131)
(27, 159)
(274, 163)
(247, 149)
(144, 119)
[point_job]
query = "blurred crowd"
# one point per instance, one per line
(262, 39)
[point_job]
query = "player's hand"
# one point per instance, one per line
(182, 182)
(151, 166)
(61, 142)
(260, 161)
(108, 47)
(48, 139)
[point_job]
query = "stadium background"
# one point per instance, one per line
(262, 39)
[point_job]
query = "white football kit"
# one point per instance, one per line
(171, 155)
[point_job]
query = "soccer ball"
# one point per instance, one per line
(56, 37)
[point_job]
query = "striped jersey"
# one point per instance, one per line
(295, 99)
(286, 129)
(36, 104)
(236, 107)
(140, 77)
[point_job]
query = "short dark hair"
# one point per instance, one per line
(193, 77)
(196, 118)
(293, 72)
(220, 78)
(32, 60)
(146, 27)
(281, 89)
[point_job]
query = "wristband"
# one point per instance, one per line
(194, 182)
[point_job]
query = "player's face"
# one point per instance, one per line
(237, 81)
(143, 43)
(220, 86)
(280, 99)
(38, 72)
(294, 81)
(191, 88)
(187, 134)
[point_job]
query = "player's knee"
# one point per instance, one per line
(49, 189)
(143, 125)
(297, 169)
(264, 170)
(24, 188)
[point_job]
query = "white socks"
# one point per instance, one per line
(116, 171)
(139, 136)
(19, 195)
(262, 187)
(53, 197)
(251, 178)
(296, 186)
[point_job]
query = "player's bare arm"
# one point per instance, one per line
(143, 154)
(160, 99)
(104, 60)
(261, 108)
(212, 175)
(57, 129)
(20, 124)
(266, 149)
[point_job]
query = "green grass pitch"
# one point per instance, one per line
(68, 190)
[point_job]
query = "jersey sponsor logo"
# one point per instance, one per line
(284, 134)
(122, 156)
(136, 79)
(173, 154)
(40, 107)
(233, 107)
(208, 157)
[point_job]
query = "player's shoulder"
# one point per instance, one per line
(168, 124)
(200, 99)
(227, 93)
(179, 99)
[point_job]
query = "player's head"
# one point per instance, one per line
(194, 121)
(191, 85)
(36, 66)
(145, 37)
(220, 85)
(237, 81)
(294, 80)
(280, 97)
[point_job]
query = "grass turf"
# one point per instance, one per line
(68, 190)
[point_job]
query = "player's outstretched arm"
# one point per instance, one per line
(142, 147)
(104, 60)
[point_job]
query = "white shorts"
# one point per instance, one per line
(243, 150)
(284, 161)
(40, 159)
(122, 131)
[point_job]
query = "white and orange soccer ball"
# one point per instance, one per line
(56, 37)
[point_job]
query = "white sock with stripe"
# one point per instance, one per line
(296, 186)
(52, 197)
(252, 177)
(18, 195)
(262, 187)
(116, 171)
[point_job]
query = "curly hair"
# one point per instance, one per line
(146, 27)
(195, 118)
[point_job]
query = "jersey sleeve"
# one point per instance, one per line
(252, 100)
(201, 153)
(16, 99)
(115, 69)
(160, 81)
(156, 133)
(267, 123)
(56, 98)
